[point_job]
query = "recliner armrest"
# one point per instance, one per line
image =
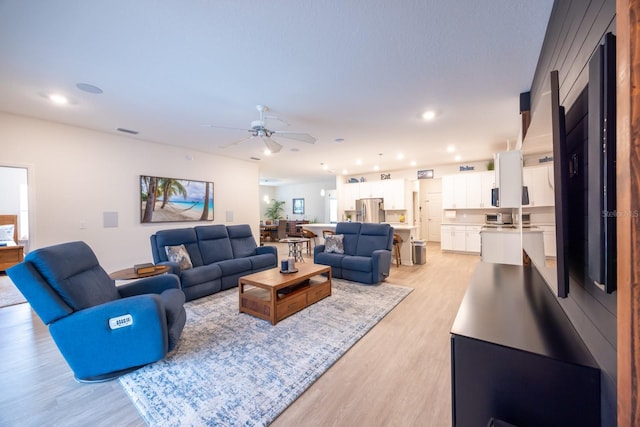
(266, 250)
(150, 285)
(317, 249)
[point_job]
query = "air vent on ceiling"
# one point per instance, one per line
(132, 132)
(254, 158)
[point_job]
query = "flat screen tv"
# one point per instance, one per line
(601, 160)
(560, 165)
(584, 175)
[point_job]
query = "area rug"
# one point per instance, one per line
(233, 369)
(9, 294)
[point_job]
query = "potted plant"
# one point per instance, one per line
(274, 211)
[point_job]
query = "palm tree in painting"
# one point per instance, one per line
(207, 200)
(169, 187)
(151, 184)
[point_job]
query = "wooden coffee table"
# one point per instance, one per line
(272, 296)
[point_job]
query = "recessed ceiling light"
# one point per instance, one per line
(267, 152)
(400, 156)
(429, 115)
(413, 163)
(451, 149)
(376, 168)
(457, 158)
(345, 172)
(59, 99)
(358, 162)
(86, 87)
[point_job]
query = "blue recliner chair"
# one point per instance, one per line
(365, 255)
(102, 331)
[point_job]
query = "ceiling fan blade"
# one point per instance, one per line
(237, 142)
(273, 146)
(304, 137)
(222, 127)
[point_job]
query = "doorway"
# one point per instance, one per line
(14, 187)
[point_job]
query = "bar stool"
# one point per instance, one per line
(312, 238)
(397, 241)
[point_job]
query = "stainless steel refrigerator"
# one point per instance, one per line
(369, 210)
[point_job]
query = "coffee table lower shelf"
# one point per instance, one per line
(272, 296)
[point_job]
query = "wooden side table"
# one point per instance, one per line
(130, 273)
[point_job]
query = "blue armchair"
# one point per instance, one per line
(365, 254)
(102, 331)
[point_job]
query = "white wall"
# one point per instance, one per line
(79, 174)
(315, 205)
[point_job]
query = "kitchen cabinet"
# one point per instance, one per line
(470, 190)
(460, 238)
(472, 238)
(504, 246)
(351, 193)
(394, 194)
(549, 239)
(454, 191)
(509, 178)
(375, 189)
(539, 181)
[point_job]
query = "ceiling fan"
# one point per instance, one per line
(258, 130)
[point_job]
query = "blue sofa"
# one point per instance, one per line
(219, 254)
(101, 330)
(367, 252)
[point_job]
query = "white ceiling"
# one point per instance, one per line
(361, 70)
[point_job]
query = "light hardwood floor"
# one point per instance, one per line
(396, 375)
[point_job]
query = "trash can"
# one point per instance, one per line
(419, 251)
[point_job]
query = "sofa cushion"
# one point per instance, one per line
(333, 243)
(235, 266)
(180, 255)
(357, 263)
(73, 271)
(242, 241)
(214, 243)
(328, 258)
(204, 273)
(351, 231)
(180, 236)
(262, 262)
(373, 237)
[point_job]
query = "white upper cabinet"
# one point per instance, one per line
(454, 191)
(470, 190)
(351, 193)
(539, 181)
(394, 194)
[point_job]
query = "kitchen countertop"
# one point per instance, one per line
(510, 229)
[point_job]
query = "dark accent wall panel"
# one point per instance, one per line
(576, 28)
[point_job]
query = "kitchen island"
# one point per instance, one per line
(504, 244)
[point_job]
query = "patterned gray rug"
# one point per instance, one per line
(233, 369)
(9, 294)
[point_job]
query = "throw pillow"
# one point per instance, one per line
(6, 232)
(180, 255)
(333, 243)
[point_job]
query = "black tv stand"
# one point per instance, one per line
(516, 357)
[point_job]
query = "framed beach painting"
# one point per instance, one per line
(175, 200)
(298, 206)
